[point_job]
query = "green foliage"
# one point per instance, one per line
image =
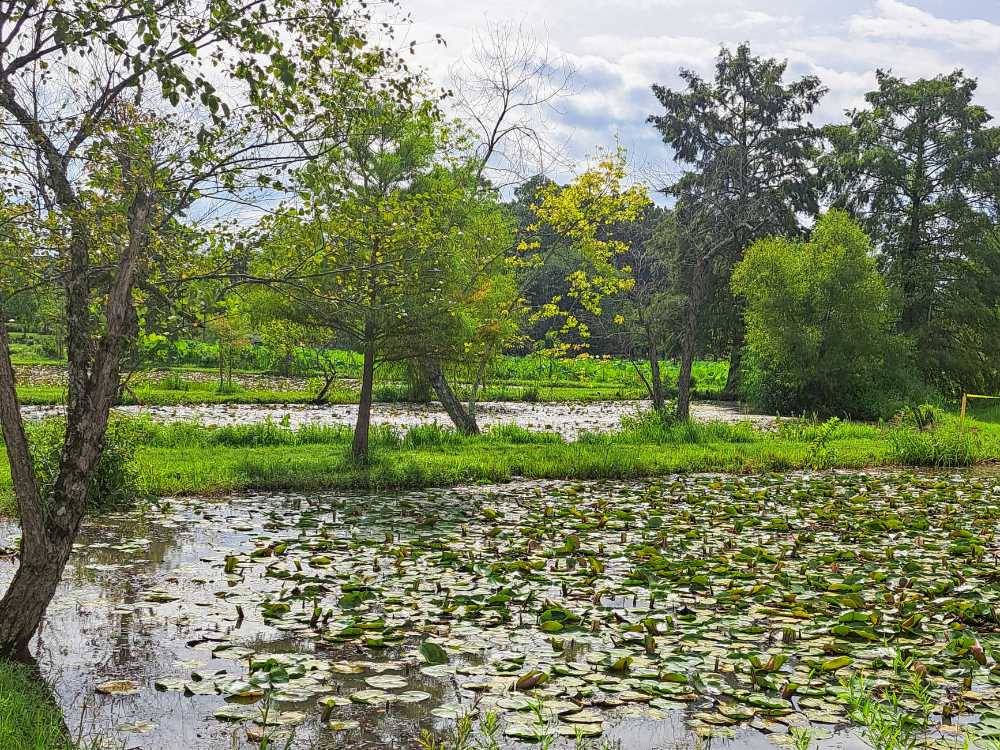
(114, 485)
(187, 458)
(664, 428)
(919, 417)
(821, 453)
(820, 325)
(430, 436)
(512, 434)
(748, 149)
(915, 167)
(581, 214)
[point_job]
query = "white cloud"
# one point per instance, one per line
(621, 47)
(894, 19)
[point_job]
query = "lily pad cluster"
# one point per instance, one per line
(567, 607)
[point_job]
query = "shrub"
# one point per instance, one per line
(822, 455)
(820, 324)
(921, 417)
(115, 483)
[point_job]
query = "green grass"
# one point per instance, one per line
(51, 395)
(28, 718)
(186, 458)
(44, 395)
(511, 378)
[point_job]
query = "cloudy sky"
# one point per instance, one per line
(619, 47)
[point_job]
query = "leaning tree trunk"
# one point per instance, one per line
(328, 379)
(359, 447)
(464, 421)
(49, 524)
(689, 339)
(43, 556)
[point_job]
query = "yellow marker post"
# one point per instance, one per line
(965, 404)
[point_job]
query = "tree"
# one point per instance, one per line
(820, 324)
(582, 214)
(911, 167)
(745, 136)
(644, 317)
(502, 92)
(388, 227)
(481, 294)
(113, 131)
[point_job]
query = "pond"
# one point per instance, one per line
(642, 615)
(567, 418)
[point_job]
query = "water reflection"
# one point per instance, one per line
(567, 418)
(149, 597)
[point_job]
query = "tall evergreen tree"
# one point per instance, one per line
(910, 166)
(749, 150)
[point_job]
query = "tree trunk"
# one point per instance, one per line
(735, 361)
(43, 557)
(328, 379)
(689, 339)
(655, 385)
(464, 421)
(359, 448)
(49, 525)
(656, 379)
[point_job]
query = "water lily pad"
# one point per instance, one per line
(170, 684)
(590, 729)
(342, 726)
(449, 711)
(413, 696)
(525, 731)
(386, 682)
(372, 697)
(231, 712)
(117, 687)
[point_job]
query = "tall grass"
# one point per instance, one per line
(188, 458)
(29, 720)
(661, 428)
(947, 445)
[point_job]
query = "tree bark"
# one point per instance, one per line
(656, 379)
(735, 362)
(328, 379)
(465, 422)
(359, 447)
(50, 524)
(689, 339)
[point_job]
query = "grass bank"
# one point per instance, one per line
(28, 719)
(514, 378)
(150, 395)
(187, 458)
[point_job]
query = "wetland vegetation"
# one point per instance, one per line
(347, 406)
(839, 605)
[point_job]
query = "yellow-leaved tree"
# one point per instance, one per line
(583, 213)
